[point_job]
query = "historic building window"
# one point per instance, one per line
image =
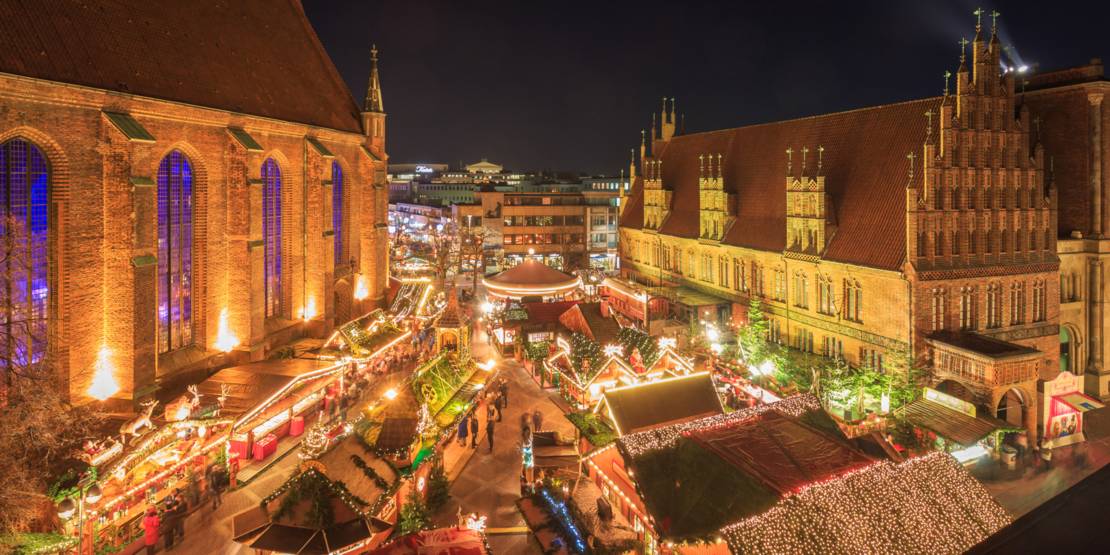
(871, 358)
(853, 300)
(774, 331)
(1039, 301)
(994, 305)
(175, 252)
(940, 306)
(801, 289)
(803, 340)
(968, 302)
(271, 235)
(779, 291)
(757, 279)
(337, 212)
(938, 244)
(722, 272)
(832, 347)
(739, 277)
(1017, 303)
(24, 191)
(1069, 287)
(825, 298)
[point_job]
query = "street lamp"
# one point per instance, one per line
(88, 493)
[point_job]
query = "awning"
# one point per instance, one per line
(1079, 401)
(951, 424)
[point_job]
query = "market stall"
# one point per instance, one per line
(954, 426)
(1065, 404)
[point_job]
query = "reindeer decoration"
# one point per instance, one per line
(132, 427)
(184, 406)
(225, 392)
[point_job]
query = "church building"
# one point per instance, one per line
(185, 185)
(963, 230)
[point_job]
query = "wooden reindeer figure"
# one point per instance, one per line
(225, 392)
(132, 427)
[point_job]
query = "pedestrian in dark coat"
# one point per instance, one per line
(179, 511)
(504, 388)
(489, 434)
(463, 427)
(473, 431)
(497, 404)
(489, 408)
(537, 420)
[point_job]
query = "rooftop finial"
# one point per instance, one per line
(947, 75)
(820, 157)
(789, 160)
(701, 165)
(911, 157)
(719, 171)
(978, 18)
(805, 150)
(373, 102)
(994, 20)
(963, 50)
(929, 115)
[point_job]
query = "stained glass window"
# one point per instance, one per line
(24, 180)
(175, 252)
(337, 211)
(271, 235)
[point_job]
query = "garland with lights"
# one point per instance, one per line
(927, 505)
(557, 508)
(663, 438)
(313, 486)
(632, 338)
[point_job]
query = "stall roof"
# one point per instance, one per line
(397, 433)
(1079, 401)
(604, 330)
(952, 424)
(250, 384)
(547, 313)
(687, 296)
(641, 406)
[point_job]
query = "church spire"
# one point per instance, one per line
(373, 101)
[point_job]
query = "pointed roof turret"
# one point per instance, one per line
(373, 101)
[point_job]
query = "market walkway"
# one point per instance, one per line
(1070, 464)
(489, 484)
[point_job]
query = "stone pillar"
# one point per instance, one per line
(1094, 381)
(1098, 211)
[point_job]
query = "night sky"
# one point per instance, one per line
(567, 86)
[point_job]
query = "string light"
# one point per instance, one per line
(640, 443)
(925, 505)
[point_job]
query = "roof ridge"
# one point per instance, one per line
(809, 117)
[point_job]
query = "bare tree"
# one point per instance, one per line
(473, 250)
(444, 251)
(40, 430)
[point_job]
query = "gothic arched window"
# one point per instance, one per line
(175, 252)
(24, 191)
(337, 211)
(271, 235)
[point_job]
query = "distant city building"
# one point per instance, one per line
(484, 166)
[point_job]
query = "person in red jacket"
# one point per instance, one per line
(151, 522)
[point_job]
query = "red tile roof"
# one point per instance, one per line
(258, 57)
(547, 313)
(865, 168)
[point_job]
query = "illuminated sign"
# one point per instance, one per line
(956, 404)
(424, 169)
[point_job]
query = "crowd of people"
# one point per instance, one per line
(495, 398)
(167, 521)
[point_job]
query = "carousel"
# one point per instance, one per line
(532, 280)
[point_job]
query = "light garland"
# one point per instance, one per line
(926, 505)
(559, 509)
(647, 441)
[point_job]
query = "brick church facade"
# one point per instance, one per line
(186, 188)
(938, 227)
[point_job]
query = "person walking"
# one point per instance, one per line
(489, 434)
(537, 420)
(497, 404)
(215, 478)
(151, 523)
(166, 522)
(504, 389)
(473, 431)
(180, 508)
(489, 407)
(463, 427)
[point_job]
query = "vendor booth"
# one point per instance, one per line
(954, 425)
(1064, 407)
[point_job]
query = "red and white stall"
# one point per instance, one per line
(1064, 407)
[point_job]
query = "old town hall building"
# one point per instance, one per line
(181, 180)
(964, 229)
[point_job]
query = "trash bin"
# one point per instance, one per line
(1009, 457)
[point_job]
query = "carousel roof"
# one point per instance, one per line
(531, 278)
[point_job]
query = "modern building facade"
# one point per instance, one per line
(927, 227)
(173, 209)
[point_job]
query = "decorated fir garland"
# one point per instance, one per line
(369, 472)
(311, 485)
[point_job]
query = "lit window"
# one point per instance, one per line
(175, 252)
(337, 211)
(24, 182)
(271, 235)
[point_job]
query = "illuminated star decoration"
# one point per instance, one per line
(667, 343)
(614, 350)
